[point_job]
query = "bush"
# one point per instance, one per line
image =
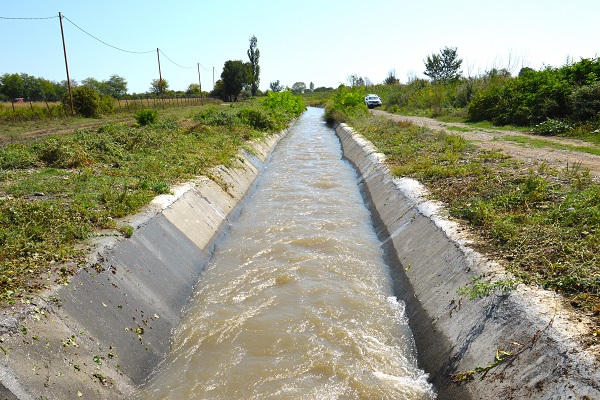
(345, 104)
(86, 102)
(256, 119)
(107, 104)
(585, 102)
(146, 116)
(216, 117)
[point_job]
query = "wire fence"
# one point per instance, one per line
(21, 111)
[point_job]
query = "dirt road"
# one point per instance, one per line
(493, 139)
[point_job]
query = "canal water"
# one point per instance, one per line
(297, 301)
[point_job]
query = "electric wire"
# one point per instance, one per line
(103, 42)
(180, 66)
(56, 16)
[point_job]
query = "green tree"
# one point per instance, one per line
(116, 86)
(218, 90)
(193, 89)
(443, 67)
(253, 56)
(298, 87)
(12, 86)
(52, 91)
(234, 76)
(391, 78)
(276, 86)
(95, 84)
(158, 86)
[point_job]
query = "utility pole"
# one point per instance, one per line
(200, 84)
(62, 33)
(160, 81)
(213, 78)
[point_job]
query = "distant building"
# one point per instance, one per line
(19, 100)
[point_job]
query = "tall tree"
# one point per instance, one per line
(116, 86)
(158, 86)
(443, 67)
(94, 84)
(276, 86)
(12, 86)
(391, 78)
(234, 76)
(298, 87)
(254, 55)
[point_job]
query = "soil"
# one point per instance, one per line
(492, 140)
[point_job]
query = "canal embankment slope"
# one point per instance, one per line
(519, 344)
(102, 334)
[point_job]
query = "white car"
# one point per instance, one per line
(372, 100)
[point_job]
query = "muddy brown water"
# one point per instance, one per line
(297, 301)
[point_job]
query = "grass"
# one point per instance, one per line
(542, 224)
(57, 191)
(543, 143)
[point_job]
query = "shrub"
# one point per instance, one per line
(146, 116)
(585, 102)
(86, 102)
(216, 117)
(344, 104)
(107, 105)
(256, 119)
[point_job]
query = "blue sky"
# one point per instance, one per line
(319, 41)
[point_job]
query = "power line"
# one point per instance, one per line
(56, 16)
(103, 42)
(193, 66)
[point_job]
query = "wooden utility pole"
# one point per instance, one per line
(62, 32)
(160, 81)
(200, 84)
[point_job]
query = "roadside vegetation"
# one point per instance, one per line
(58, 191)
(543, 224)
(558, 101)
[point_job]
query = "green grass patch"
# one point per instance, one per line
(543, 143)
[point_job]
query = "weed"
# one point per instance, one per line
(146, 116)
(126, 230)
(477, 288)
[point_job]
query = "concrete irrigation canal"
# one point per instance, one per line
(306, 272)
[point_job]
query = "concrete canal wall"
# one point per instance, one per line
(101, 334)
(430, 261)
